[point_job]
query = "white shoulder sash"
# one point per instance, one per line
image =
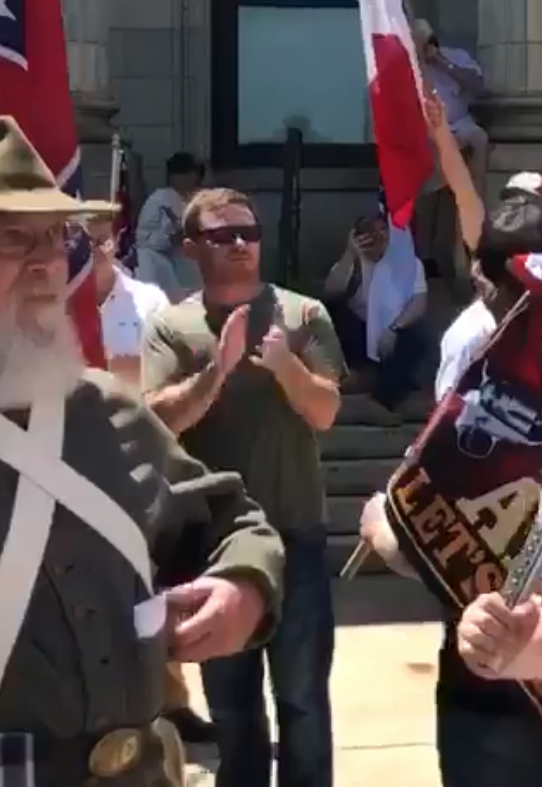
(45, 481)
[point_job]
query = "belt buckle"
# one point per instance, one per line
(115, 753)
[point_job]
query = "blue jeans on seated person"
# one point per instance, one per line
(300, 657)
(396, 372)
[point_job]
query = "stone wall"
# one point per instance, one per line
(510, 50)
(87, 27)
(455, 22)
(159, 65)
(144, 68)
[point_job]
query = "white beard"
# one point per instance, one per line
(38, 359)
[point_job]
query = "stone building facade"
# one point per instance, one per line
(156, 70)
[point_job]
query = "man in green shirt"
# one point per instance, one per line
(246, 374)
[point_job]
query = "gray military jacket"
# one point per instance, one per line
(78, 665)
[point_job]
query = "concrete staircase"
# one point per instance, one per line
(358, 459)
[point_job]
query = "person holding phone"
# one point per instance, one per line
(377, 296)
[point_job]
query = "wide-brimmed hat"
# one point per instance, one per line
(27, 185)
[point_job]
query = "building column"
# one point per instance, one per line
(194, 95)
(86, 24)
(510, 52)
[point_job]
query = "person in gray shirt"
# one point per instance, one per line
(160, 258)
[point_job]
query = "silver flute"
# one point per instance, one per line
(526, 567)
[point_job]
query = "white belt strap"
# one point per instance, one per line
(31, 522)
(78, 494)
(47, 480)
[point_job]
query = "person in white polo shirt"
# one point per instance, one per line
(125, 303)
(125, 306)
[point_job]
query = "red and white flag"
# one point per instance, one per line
(395, 90)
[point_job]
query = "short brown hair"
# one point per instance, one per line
(211, 200)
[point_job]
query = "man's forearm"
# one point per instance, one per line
(468, 79)
(183, 405)
(315, 398)
(470, 206)
(412, 312)
(339, 276)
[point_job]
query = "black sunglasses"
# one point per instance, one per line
(228, 236)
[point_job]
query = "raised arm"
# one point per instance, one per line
(470, 206)
(338, 277)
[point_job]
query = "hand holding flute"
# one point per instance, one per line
(500, 634)
(376, 534)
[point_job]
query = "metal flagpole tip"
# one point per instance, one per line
(356, 560)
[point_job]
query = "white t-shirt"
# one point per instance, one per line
(358, 302)
(460, 344)
(124, 313)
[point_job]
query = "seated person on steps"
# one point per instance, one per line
(377, 296)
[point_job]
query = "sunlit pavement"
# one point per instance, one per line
(382, 688)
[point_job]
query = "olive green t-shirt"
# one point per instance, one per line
(251, 427)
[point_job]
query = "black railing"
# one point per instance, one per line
(290, 210)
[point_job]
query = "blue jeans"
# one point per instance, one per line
(489, 750)
(396, 372)
(300, 657)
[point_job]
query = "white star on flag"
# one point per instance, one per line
(5, 12)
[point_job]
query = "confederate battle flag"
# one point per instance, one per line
(34, 89)
(395, 91)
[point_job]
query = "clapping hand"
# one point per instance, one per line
(274, 351)
(233, 341)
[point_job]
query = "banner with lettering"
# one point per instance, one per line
(464, 498)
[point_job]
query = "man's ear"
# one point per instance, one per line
(190, 249)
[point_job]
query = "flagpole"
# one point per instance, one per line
(364, 549)
(116, 161)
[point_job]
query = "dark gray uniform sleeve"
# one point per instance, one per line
(185, 502)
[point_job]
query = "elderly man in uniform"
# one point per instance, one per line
(92, 487)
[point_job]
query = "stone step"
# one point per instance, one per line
(344, 513)
(358, 478)
(415, 410)
(339, 549)
(356, 441)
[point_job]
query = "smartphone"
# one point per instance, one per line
(364, 226)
